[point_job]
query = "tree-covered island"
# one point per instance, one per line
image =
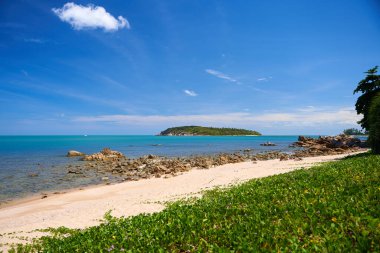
(199, 131)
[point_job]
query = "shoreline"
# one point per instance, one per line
(157, 166)
(31, 175)
(114, 174)
(82, 208)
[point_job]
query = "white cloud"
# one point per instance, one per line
(308, 108)
(221, 75)
(90, 17)
(332, 117)
(190, 93)
(264, 79)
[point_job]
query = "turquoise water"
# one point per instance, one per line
(21, 157)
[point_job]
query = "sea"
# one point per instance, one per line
(33, 165)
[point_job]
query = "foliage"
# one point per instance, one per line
(369, 87)
(374, 124)
(199, 130)
(353, 131)
(331, 208)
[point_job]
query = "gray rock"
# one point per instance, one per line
(268, 144)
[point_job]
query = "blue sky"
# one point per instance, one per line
(140, 66)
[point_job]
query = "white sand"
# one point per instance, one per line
(83, 208)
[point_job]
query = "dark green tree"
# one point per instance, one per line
(369, 87)
(353, 131)
(374, 124)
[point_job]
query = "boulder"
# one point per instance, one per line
(105, 155)
(268, 144)
(327, 145)
(73, 153)
(304, 139)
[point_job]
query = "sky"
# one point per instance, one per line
(141, 66)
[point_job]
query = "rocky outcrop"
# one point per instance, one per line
(155, 166)
(339, 141)
(113, 164)
(73, 153)
(327, 145)
(105, 155)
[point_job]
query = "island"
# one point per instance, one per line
(201, 131)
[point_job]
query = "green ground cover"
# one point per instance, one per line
(334, 207)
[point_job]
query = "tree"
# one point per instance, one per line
(369, 87)
(352, 131)
(374, 124)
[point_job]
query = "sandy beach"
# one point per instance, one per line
(83, 208)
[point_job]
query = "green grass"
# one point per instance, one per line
(330, 208)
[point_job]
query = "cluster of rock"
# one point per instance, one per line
(268, 144)
(327, 145)
(155, 166)
(105, 155)
(109, 162)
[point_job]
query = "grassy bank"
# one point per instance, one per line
(330, 208)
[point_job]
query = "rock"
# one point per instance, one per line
(33, 174)
(304, 139)
(203, 163)
(72, 171)
(268, 144)
(105, 155)
(327, 145)
(150, 156)
(105, 178)
(72, 153)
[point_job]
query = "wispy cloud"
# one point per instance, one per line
(308, 108)
(111, 81)
(90, 17)
(12, 25)
(59, 90)
(264, 79)
(221, 75)
(337, 116)
(34, 40)
(190, 93)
